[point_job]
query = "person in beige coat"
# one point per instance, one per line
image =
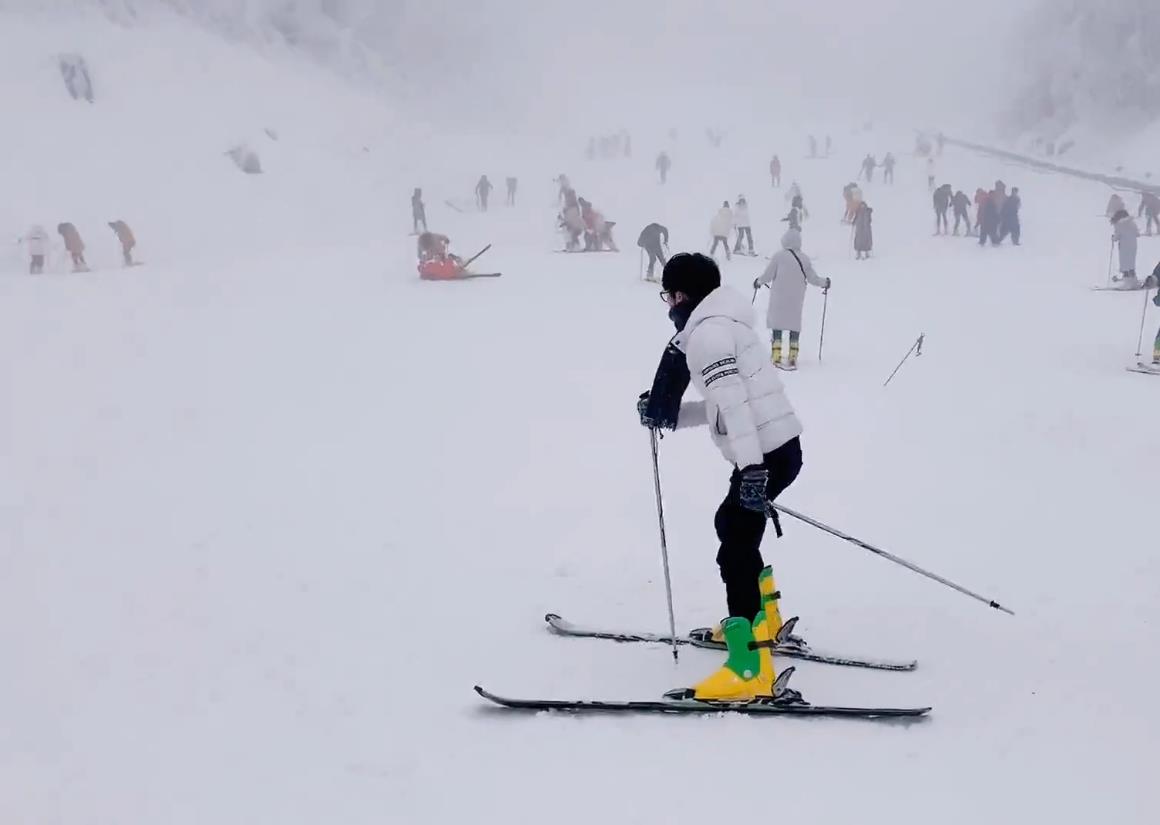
(74, 245)
(125, 236)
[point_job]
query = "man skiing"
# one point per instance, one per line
(1126, 236)
(128, 240)
(720, 227)
(653, 240)
(754, 426)
(1150, 209)
(868, 165)
(888, 163)
(1009, 217)
(512, 183)
(863, 232)
(483, 192)
(418, 211)
(942, 202)
(37, 242)
(664, 163)
(742, 225)
(787, 274)
(962, 207)
(775, 171)
(74, 245)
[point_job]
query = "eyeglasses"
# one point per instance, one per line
(667, 296)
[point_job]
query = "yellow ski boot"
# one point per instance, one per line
(740, 679)
(775, 351)
(770, 601)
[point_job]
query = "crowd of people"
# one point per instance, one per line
(38, 243)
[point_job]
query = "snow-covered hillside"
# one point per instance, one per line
(270, 505)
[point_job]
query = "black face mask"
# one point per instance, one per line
(680, 313)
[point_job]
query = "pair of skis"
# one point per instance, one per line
(784, 701)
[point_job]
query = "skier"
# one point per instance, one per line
(598, 232)
(663, 166)
(742, 225)
(1009, 217)
(942, 202)
(753, 425)
(868, 165)
(1115, 204)
(482, 192)
(787, 274)
(931, 173)
(813, 146)
(565, 187)
(1150, 209)
(512, 183)
(436, 263)
(74, 245)
(888, 168)
(1126, 236)
(418, 211)
(999, 193)
(125, 236)
(863, 231)
(775, 171)
(37, 242)
(988, 219)
(571, 223)
(653, 240)
(719, 228)
(980, 200)
(962, 207)
(852, 195)
(797, 213)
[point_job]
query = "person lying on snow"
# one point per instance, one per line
(436, 263)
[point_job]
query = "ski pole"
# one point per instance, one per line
(1111, 254)
(664, 542)
(640, 264)
(471, 260)
(917, 345)
(822, 337)
(1143, 316)
(891, 557)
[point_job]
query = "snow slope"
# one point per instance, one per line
(270, 506)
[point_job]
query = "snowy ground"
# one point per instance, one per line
(270, 506)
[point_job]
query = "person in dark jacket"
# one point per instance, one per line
(418, 211)
(653, 240)
(483, 192)
(942, 202)
(512, 184)
(962, 207)
(988, 220)
(1009, 217)
(1150, 209)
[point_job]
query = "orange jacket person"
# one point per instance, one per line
(74, 245)
(125, 236)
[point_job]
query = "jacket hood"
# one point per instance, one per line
(722, 302)
(792, 239)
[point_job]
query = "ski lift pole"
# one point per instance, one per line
(891, 557)
(916, 348)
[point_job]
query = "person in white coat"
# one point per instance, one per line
(750, 418)
(37, 243)
(742, 225)
(720, 227)
(787, 275)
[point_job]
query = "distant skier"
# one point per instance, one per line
(931, 173)
(863, 231)
(74, 245)
(128, 240)
(653, 240)
(1150, 209)
(852, 195)
(797, 213)
(1115, 204)
(742, 225)
(483, 192)
(572, 224)
(598, 231)
(787, 274)
(720, 227)
(999, 193)
(980, 199)
(1009, 217)
(36, 241)
(888, 163)
(813, 146)
(942, 202)
(988, 219)
(436, 263)
(418, 211)
(565, 187)
(962, 207)
(775, 171)
(664, 163)
(752, 423)
(1126, 236)
(868, 165)
(512, 184)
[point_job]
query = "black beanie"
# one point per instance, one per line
(692, 273)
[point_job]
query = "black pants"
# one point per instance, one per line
(655, 253)
(741, 530)
(744, 232)
(1011, 228)
(940, 221)
(962, 217)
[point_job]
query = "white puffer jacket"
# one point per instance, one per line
(722, 223)
(741, 215)
(787, 275)
(37, 240)
(745, 404)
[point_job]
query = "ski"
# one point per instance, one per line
(694, 706)
(1146, 369)
(786, 645)
(469, 275)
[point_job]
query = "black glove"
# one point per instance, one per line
(754, 479)
(1156, 299)
(642, 409)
